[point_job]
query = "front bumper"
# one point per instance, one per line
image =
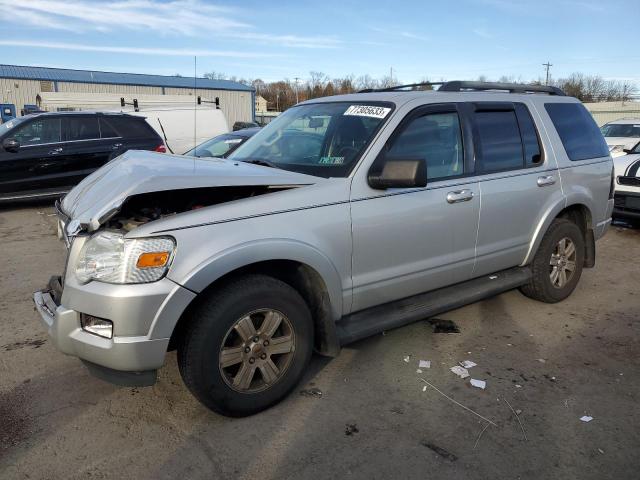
(143, 317)
(133, 354)
(627, 205)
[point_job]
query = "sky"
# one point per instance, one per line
(439, 40)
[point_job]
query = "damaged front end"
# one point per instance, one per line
(141, 187)
(148, 207)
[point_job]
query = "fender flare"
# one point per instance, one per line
(550, 215)
(246, 254)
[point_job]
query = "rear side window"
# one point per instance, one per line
(81, 128)
(578, 131)
(106, 130)
(530, 141)
(499, 141)
(132, 127)
(437, 139)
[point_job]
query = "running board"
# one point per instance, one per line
(396, 314)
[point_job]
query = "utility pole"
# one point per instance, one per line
(296, 79)
(548, 66)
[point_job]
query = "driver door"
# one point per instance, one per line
(35, 165)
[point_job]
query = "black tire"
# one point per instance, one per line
(540, 287)
(211, 322)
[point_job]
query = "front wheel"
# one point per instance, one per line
(558, 263)
(246, 345)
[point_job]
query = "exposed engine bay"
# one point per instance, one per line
(147, 207)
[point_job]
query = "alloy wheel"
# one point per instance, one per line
(257, 350)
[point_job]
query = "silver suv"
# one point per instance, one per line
(344, 217)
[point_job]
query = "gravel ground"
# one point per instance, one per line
(551, 363)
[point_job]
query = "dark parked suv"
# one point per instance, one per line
(45, 154)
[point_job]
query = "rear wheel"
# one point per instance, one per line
(246, 345)
(558, 263)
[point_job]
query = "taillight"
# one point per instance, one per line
(612, 188)
(161, 148)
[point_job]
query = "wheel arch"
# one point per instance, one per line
(580, 214)
(303, 268)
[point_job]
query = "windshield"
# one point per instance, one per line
(5, 127)
(322, 139)
(219, 146)
(621, 130)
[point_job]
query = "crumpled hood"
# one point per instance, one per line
(101, 194)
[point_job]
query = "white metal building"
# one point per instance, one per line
(21, 85)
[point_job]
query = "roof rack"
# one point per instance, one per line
(401, 87)
(459, 86)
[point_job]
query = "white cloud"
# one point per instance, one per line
(481, 32)
(414, 36)
(182, 52)
(193, 18)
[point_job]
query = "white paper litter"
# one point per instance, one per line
(468, 364)
(493, 277)
(407, 358)
(586, 418)
(418, 371)
(478, 383)
(518, 386)
(460, 371)
(542, 360)
(424, 364)
(424, 389)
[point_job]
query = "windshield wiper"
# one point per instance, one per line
(260, 161)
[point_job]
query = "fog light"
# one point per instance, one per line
(97, 326)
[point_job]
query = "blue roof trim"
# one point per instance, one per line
(88, 76)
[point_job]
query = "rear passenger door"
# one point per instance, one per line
(409, 241)
(519, 181)
(84, 150)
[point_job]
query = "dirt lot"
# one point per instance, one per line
(551, 363)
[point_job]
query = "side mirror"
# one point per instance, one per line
(399, 173)
(11, 145)
(627, 150)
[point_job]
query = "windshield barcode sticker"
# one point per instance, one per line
(367, 111)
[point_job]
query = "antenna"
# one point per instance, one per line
(195, 105)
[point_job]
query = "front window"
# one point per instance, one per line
(321, 139)
(39, 131)
(6, 126)
(219, 146)
(621, 130)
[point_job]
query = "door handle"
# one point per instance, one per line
(55, 151)
(546, 180)
(116, 146)
(459, 196)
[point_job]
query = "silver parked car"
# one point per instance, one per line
(343, 217)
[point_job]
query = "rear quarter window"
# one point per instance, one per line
(128, 127)
(578, 131)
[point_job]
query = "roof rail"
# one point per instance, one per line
(459, 86)
(400, 87)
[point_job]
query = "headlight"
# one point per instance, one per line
(109, 257)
